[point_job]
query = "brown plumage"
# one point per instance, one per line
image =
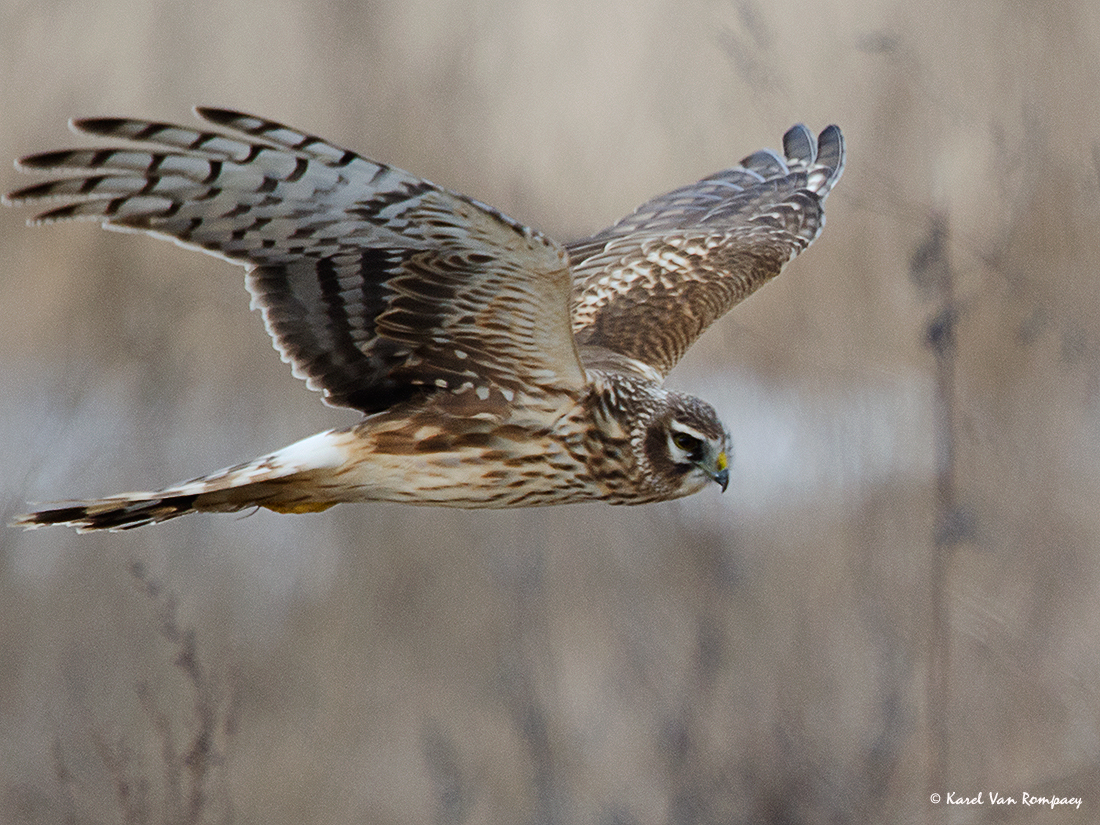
(494, 366)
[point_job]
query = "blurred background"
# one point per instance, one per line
(899, 595)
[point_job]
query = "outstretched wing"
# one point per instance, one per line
(375, 285)
(646, 288)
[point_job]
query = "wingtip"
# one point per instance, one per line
(830, 146)
(215, 114)
(100, 126)
(233, 119)
(831, 154)
(799, 145)
(39, 192)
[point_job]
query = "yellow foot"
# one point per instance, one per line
(300, 507)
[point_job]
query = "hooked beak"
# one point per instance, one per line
(720, 472)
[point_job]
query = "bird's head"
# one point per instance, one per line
(686, 446)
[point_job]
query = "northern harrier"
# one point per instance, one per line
(495, 367)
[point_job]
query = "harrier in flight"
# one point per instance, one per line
(495, 367)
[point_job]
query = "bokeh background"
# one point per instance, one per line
(898, 596)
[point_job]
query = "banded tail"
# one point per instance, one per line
(290, 480)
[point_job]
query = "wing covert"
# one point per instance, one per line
(645, 288)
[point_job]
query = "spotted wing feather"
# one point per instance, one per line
(374, 284)
(647, 287)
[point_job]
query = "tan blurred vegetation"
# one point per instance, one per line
(900, 593)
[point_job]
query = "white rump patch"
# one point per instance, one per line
(321, 451)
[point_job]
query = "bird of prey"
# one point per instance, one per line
(495, 367)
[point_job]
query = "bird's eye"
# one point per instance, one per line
(688, 443)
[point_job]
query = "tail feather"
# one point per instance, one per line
(122, 512)
(129, 510)
(292, 480)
